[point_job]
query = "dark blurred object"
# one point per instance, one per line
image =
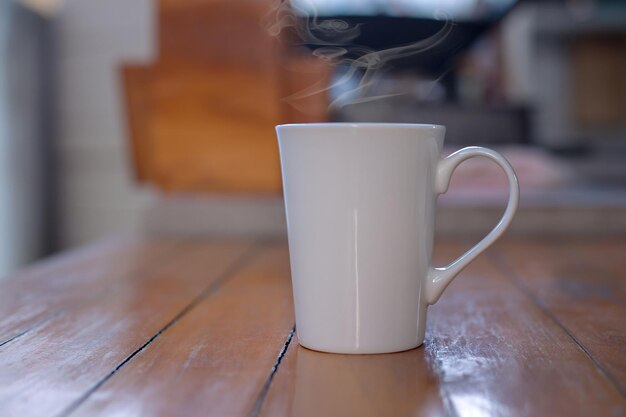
(465, 124)
(382, 32)
(386, 25)
(26, 135)
(436, 81)
(568, 61)
(202, 117)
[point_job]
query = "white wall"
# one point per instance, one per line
(98, 195)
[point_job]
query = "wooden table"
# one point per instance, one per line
(158, 327)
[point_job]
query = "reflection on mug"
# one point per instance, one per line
(397, 384)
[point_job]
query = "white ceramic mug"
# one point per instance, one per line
(360, 202)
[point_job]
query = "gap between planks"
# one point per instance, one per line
(258, 404)
(33, 327)
(237, 265)
(501, 263)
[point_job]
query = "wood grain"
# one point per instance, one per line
(213, 129)
(582, 284)
(161, 328)
(498, 353)
(36, 294)
(310, 383)
(49, 369)
(215, 360)
(489, 351)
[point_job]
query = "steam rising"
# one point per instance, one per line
(333, 38)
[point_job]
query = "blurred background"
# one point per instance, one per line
(156, 116)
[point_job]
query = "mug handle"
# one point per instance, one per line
(439, 278)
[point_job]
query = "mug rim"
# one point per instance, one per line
(361, 125)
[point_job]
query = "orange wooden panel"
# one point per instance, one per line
(202, 117)
(212, 127)
(210, 32)
(197, 129)
(214, 130)
(203, 130)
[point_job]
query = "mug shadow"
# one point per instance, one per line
(396, 384)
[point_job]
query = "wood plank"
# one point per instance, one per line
(582, 284)
(215, 360)
(310, 383)
(183, 339)
(498, 353)
(37, 293)
(489, 351)
(50, 368)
